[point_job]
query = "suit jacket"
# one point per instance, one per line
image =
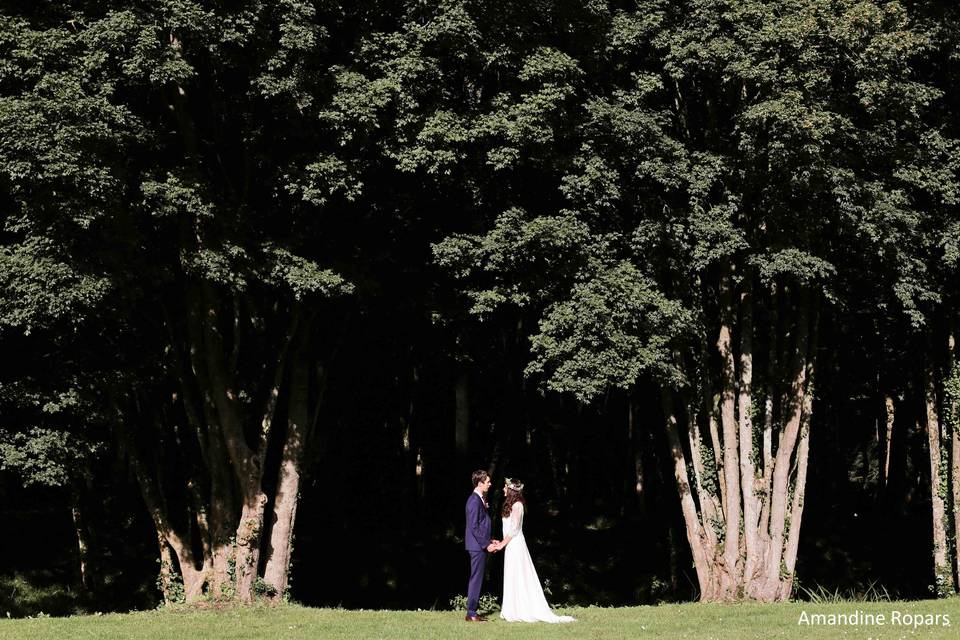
(477, 535)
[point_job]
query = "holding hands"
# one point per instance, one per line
(494, 546)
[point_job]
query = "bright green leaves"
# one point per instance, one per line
(611, 328)
(950, 245)
(529, 123)
(410, 92)
(188, 18)
(304, 277)
(594, 186)
(63, 144)
(175, 196)
(178, 204)
(38, 288)
(229, 265)
(793, 132)
(787, 136)
(711, 234)
(632, 32)
(27, 54)
(234, 266)
(40, 438)
(603, 323)
(446, 31)
(62, 147)
(440, 145)
(517, 257)
(357, 103)
(798, 265)
(291, 69)
(135, 46)
(880, 35)
(547, 66)
(630, 136)
(43, 457)
(327, 177)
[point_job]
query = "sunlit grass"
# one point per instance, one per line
(692, 620)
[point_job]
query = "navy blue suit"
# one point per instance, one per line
(476, 540)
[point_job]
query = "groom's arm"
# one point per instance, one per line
(473, 521)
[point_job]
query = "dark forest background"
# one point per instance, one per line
(456, 235)
(371, 532)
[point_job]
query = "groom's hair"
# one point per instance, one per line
(478, 476)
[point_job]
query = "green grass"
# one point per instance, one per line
(736, 622)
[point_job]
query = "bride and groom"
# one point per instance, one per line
(523, 598)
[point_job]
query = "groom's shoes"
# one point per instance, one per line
(474, 619)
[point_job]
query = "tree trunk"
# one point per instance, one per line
(83, 543)
(800, 483)
(168, 538)
(745, 408)
(953, 423)
(167, 572)
(222, 517)
(709, 509)
(277, 571)
(768, 408)
(943, 573)
(703, 555)
(768, 588)
(248, 541)
(888, 445)
(247, 462)
(712, 401)
(731, 463)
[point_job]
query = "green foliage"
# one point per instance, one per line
(806, 268)
(870, 592)
(515, 246)
(951, 397)
(735, 136)
(586, 167)
(304, 277)
(42, 456)
(23, 596)
(263, 588)
(606, 333)
(942, 586)
(49, 434)
(487, 605)
(40, 288)
(173, 590)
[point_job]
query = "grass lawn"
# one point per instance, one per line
(740, 621)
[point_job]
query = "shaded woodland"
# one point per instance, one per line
(275, 277)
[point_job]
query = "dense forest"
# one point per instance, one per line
(277, 275)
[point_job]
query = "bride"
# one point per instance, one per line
(523, 598)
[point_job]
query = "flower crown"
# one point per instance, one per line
(513, 483)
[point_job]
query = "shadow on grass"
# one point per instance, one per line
(39, 593)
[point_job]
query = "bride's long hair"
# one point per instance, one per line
(511, 497)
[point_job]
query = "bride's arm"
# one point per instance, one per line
(514, 523)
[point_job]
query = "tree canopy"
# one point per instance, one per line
(248, 248)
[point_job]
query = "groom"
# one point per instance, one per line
(477, 540)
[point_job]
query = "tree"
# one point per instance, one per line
(139, 161)
(743, 173)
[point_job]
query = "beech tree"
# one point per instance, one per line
(157, 157)
(738, 165)
(680, 197)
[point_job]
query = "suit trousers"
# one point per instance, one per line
(478, 563)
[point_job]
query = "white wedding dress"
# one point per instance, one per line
(523, 599)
